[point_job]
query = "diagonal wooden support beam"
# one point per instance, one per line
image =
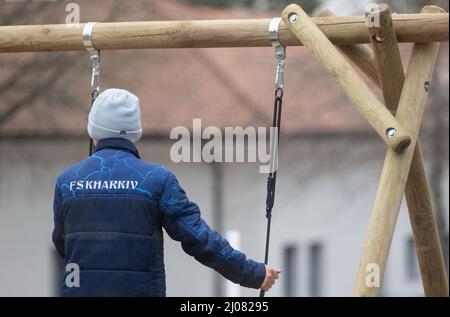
(388, 61)
(418, 194)
(306, 31)
(396, 170)
(360, 54)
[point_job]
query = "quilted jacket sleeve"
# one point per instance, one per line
(182, 221)
(58, 229)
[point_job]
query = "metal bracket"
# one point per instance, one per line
(94, 57)
(280, 51)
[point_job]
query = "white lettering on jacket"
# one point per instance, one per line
(97, 185)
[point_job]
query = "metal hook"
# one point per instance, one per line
(94, 57)
(280, 51)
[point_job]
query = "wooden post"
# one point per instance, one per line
(360, 54)
(395, 172)
(423, 221)
(208, 33)
(343, 73)
(418, 195)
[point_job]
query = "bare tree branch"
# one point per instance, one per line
(44, 86)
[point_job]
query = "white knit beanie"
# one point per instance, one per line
(115, 114)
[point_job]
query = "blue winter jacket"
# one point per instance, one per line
(109, 211)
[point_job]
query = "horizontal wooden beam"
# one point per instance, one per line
(210, 33)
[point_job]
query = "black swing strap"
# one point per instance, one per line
(94, 57)
(280, 54)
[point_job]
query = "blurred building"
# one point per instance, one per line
(330, 159)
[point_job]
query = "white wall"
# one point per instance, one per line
(325, 190)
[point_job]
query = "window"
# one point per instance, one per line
(315, 269)
(290, 254)
(412, 267)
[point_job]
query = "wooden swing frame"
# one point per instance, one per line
(328, 39)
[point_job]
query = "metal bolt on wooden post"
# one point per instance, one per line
(343, 73)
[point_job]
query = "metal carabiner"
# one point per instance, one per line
(95, 67)
(280, 51)
(94, 58)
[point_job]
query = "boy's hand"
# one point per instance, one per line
(271, 276)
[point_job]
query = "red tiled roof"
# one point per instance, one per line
(223, 87)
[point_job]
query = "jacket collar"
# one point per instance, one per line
(118, 144)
